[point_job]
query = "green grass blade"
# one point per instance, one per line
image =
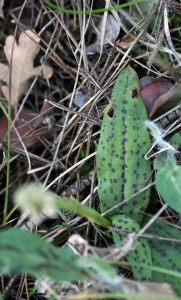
(94, 11)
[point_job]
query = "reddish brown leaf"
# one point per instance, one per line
(28, 134)
(153, 89)
(167, 101)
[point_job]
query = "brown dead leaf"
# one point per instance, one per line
(159, 95)
(151, 89)
(24, 54)
(167, 101)
(126, 42)
(29, 133)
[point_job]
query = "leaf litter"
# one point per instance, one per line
(23, 54)
(77, 133)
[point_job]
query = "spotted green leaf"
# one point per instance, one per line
(165, 253)
(141, 254)
(121, 166)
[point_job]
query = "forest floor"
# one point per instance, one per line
(61, 67)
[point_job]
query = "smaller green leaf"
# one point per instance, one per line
(168, 183)
(160, 160)
(25, 252)
(35, 200)
(176, 139)
(165, 254)
(141, 254)
(70, 204)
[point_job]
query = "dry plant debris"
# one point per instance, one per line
(28, 132)
(87, 81)
(81, 248)
(23, 55)
(112, 29)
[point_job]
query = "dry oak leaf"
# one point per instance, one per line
(24, 54)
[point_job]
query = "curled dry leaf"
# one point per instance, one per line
(167, 101)
(23, 69)
(126, 42)
(81, 97)
(151, 89)
(111, 32)
(159, 95)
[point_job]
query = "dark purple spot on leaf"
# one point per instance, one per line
(124, 111)
(124, 132)
(124, 167)
(124, 152)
